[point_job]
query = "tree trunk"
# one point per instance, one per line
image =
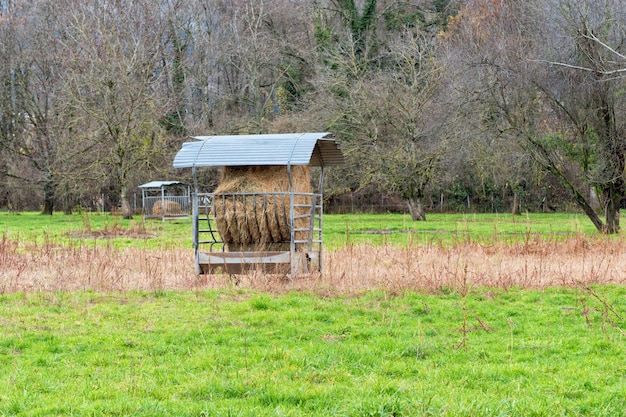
(48, 197)
(48, 207)
(515, 210)
(127, 212)
(611, 211)
(416, 208)
(612, 221)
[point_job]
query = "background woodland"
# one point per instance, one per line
(438, 105)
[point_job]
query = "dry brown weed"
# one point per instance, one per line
(350, 270)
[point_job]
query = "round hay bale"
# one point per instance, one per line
(166, 207)
(250, 221)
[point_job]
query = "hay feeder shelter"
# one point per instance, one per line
(166, 200)
(266, 212)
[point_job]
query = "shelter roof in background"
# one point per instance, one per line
(315, 149)
(159, 184)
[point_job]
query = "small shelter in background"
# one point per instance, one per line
(266, 212)
(166, 200)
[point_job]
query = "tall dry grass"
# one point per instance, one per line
(536, 263)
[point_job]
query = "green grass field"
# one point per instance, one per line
(450, 228)
(339, 230)
(230, 353)
(462, 350)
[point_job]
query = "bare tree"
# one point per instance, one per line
(113, 49)
(262, 59)
(548, 81)
(33, 114)
(411, 141)
(380, 92)
(595, 109)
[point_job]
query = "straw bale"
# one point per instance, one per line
(247, 221)
(171, 208)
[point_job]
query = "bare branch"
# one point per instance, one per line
(581, 68)
(596, 39)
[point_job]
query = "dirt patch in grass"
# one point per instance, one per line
(113, 232)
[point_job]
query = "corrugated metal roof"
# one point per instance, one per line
(315, 149)
(159, 184)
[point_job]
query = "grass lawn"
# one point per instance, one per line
(94, 228)
(450, 228)
(339, 229)
(558, 352)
